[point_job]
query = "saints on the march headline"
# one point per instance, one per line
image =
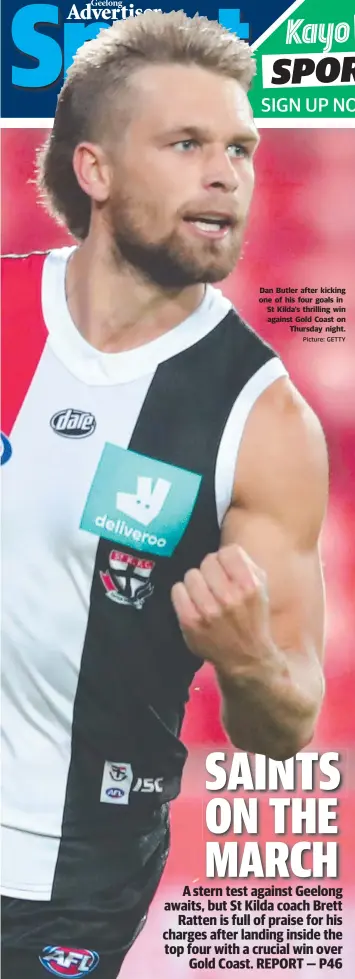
(295, 815)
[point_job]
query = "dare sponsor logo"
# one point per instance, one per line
(72, 423)
(63, 961)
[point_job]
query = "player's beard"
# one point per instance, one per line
(173, 262)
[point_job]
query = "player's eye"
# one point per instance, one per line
(238, 150)
(184, 145)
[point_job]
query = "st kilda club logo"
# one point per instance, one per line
(73, 962)
(72, 423)
(127, 580)
(118, 772)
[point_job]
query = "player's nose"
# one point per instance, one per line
(220, 171)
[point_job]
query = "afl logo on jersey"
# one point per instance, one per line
(5, 449)
(63, 961)
(73, 424)
(115, 793)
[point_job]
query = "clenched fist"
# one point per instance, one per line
(223, 611)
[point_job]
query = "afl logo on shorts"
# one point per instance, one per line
(5, 449)
(73, 424)
(63, 961)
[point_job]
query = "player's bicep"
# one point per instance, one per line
(294, 579)
(278, 508)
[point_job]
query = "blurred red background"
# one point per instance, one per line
(301, 233)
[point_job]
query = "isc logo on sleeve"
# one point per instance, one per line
(140, 501)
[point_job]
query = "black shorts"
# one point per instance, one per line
(92, 929)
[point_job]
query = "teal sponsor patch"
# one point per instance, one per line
(140, 501)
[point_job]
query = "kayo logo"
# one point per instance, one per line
(73, 424)
(63, 961)
(146, 503)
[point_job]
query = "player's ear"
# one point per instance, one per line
(92, 171)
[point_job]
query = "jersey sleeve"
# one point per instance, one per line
(23, 333)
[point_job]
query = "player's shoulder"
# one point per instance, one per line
(21, 289)
(21, 282)
(284, 452)
(19, 266)
(21, 275)
(283, 411)
(25, 259)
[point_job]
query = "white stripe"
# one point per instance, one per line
(308, 123)
(46, 598)
(234, 429)
(25, 854)
(26, 123)
(262, 123)
(277, 23)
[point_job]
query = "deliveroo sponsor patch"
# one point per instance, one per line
(140, 501)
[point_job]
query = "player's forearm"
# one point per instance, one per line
(272, 710)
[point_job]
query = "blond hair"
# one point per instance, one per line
(101, 70)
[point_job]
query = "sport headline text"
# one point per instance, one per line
(294, 815)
